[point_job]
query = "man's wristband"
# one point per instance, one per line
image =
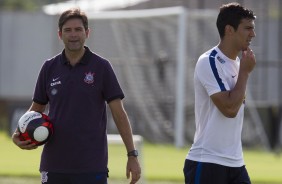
(133, 153)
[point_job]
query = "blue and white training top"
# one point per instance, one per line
(217, 138)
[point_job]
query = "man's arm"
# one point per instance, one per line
(123, 125)
(229, 102)
(37, 107)
(15, 137)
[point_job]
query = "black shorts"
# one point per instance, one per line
(77, 178)
(209, 173)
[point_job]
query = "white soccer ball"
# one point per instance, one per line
(35, 126)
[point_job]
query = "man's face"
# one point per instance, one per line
(73, 34)
(244, 34)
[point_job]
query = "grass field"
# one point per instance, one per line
(162, 164)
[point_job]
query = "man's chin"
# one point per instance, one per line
(75, 49)
(245, 48)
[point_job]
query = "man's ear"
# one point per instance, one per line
(87, 32)
(229, 30)
(60, 34)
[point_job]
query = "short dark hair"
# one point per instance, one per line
(232, 14)
(71, 14)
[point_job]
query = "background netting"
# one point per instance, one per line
(144, 51)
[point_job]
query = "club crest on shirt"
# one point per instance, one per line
(89, 77)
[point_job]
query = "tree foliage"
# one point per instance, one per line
(24, 5)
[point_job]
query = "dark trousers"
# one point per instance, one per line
(209, 173)
(77, 178)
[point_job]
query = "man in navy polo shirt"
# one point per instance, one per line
(77, 84)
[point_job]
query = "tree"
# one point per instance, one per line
(26, 5)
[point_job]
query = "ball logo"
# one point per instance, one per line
(26, 118)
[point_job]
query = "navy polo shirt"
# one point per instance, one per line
(77, 99)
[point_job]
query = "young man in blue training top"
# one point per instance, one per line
(77, 84)
(220, 81)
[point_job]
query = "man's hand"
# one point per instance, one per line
(134, 168)
(248, 61)
(26, 145)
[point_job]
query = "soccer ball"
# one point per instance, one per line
(35, 126)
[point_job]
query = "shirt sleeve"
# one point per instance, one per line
(111, 86)
(211, 75)
(40, 92)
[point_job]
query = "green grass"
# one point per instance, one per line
(263, 166)
(17, 162)
(159, 162)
